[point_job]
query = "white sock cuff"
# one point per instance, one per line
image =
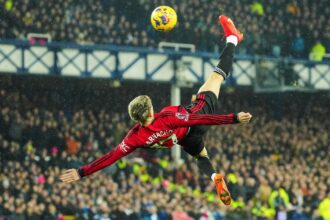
(213, 176)
(232, 39)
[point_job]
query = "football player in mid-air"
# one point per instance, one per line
(183, 125)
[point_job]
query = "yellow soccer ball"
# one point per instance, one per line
(163, 18)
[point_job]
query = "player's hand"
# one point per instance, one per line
(244, 117)
(70, 175)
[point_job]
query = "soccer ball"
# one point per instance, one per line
(163, 18)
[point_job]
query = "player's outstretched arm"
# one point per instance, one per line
(107, 159)
(186, 120)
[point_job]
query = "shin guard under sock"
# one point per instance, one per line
(205, 166)
(226, 61)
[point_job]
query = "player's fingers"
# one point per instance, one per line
(65, 180)
(66, 174)
(69, 171)
(73, 179)
(65, 177)
(72, 175)
(245, 118)
(68, 180)
(248, 116)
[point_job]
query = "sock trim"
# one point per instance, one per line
(220, 71)
(232, 39)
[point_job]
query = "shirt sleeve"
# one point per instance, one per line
(178, 119)
(107, 159)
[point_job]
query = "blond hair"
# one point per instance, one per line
(139, 108)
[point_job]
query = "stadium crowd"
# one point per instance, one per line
(273, 27)
(274, 168)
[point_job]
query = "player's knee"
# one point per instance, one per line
(193, 98)
(203, 153)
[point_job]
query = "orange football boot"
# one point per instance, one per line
(222, 189)
(229, 27)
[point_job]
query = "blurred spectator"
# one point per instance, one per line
(324, 208)
(298, 45)
(179, 214)
(257, 8)
(293, 8)
(9, 5)
(317, 52)
(72, 145)
(127, 23)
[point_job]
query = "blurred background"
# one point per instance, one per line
(69, 68)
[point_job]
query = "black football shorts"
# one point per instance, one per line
(205, 103)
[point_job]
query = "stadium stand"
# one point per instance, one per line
(274, 28)
(276, 166)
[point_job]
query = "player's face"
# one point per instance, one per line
(151, 113)
(150, 118)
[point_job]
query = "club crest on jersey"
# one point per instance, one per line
(182, 116)
(124, 147)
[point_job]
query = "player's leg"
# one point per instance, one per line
(204, 164)
(193, 144)
(222, 70)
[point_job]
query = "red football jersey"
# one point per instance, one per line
(168, 128)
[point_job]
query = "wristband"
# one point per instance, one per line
(80, 172)
(236, 120)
